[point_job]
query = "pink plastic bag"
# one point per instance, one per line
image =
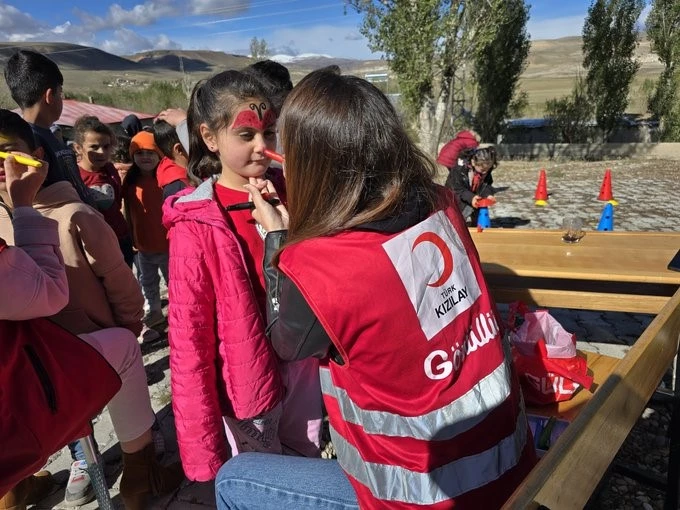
(544, 353)
(541, 325)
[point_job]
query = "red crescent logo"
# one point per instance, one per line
(443, 249)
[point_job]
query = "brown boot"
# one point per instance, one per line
(28, 491)
(143, 476)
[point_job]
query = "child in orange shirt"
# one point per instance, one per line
(143, 200)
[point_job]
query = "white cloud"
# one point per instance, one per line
(335, 40)
(17, 25)
(139, 15)
(127, 42)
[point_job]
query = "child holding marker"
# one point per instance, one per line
(226, 378)
(104, 308)
(471, 180)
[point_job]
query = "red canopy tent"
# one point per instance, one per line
(107, 114)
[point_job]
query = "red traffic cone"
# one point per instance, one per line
(606, 189)
(541, 195)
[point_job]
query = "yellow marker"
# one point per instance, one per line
(22, 159)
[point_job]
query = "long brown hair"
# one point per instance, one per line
(349, 160)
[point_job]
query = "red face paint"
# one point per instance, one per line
(258, 117)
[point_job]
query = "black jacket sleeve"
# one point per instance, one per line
(294, 330)
(459, 182)
(172, 188)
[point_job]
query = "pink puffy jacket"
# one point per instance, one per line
(221, 361)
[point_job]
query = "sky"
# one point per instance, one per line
(290, 27)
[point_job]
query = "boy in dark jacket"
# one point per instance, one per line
(471, 181)
(35, 83)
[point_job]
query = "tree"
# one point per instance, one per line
(428, 44)
(570, 116)
(259, 48)
(663, 29)
(609, 41)
(498, 67)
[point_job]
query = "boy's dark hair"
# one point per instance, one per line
(121, 154)
(90, 123)
(29, 75)
(165, 137)
(12, 125)
(274, 77)
(485, 154)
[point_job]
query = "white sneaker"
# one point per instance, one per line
(148, 335)
(79, 489)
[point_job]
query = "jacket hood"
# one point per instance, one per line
(168, 171)
(198, 205)
(56, 195)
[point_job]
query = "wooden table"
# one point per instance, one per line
(612, 271)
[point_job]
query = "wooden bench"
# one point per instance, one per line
(606, 271)
(570, 471)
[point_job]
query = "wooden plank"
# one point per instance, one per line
(578, 300)
(600, 367)
(568, 474)
(607, 256)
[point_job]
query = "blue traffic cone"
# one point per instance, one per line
(607, 219)
(483, 220)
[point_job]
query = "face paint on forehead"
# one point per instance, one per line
(257, 117)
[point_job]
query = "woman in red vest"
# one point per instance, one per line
(379, 278)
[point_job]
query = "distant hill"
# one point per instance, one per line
(192, 60)
(71, 56)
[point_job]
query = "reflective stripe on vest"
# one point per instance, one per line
(395, 483)
(464, 413)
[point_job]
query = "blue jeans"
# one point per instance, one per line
(265, 481)
(77, 452)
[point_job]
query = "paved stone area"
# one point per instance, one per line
(648, 196)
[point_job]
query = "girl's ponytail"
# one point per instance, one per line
(202, 162)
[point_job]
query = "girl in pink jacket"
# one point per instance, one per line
(227, 384)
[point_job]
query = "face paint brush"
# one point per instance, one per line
(274, 155)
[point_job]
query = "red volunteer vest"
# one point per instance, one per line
(426, 410)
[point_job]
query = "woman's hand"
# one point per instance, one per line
(23, 182)
(475, 201)
(270, 217)
(172, 116)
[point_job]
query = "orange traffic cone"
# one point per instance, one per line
(541, 195)
(606, 189)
